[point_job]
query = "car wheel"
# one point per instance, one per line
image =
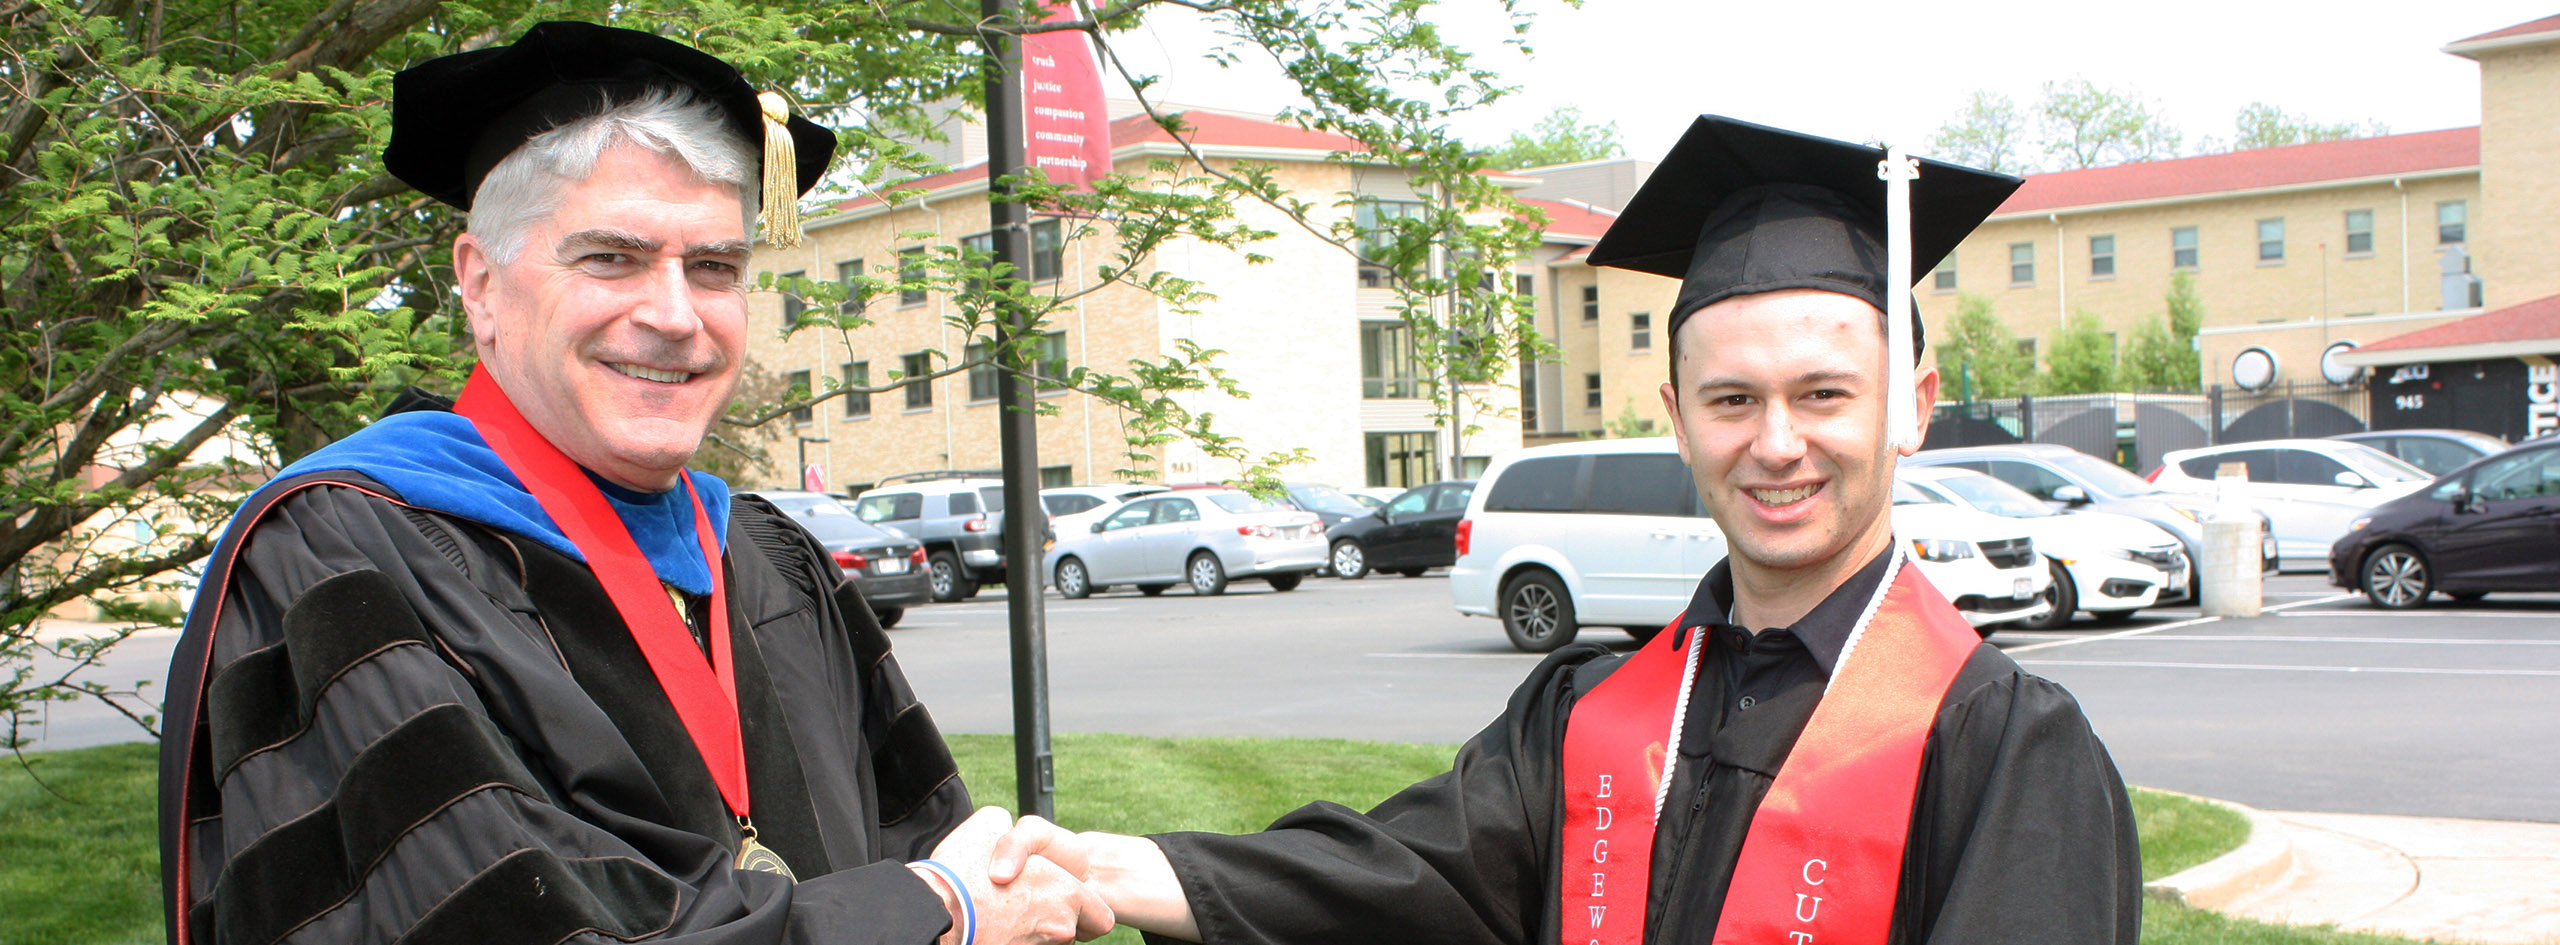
(2397, 578)
(943, 572)
(2064, 596)
(1350, 561)
(1072, 583)
(1152, 590)
(1286, 580)
(1537, 613)
(1208, 577)
(889, 617)
(1412, 572)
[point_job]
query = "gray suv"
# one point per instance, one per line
(960, 521)
(2072, 480)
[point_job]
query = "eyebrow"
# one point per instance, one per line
(1806, 379)
(627, 242)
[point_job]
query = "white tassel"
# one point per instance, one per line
(1902, 413)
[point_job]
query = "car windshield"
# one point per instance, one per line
(1996, 497)
(2108, 477)
(2381, 466)
(1320, 498)
(1907, 494)
(1240, 502)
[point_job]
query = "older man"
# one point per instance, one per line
(503, 669)
(1818, 752)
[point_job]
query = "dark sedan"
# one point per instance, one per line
(885, 564)
(1413, 533)
(2493, 525)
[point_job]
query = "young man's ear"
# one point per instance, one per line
(1925, 400)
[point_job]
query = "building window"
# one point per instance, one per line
(857, 404)
(2450, 216)
(2359, 232)
(849, 275)
(792, 305)
(1403, 460)
(1590, 304)
(798, 381)
(2271, 240)
(2022, 264)
(920, 392)
(2027, 346)
(1640, 331)
(1048, 250)
(2182, 248)
(1375, 220)
(2102, 257)
(1052, 477)
(1524, 285)
(1591, 392)
(910, 272)
(1389, 367)
(1048, 367)
(982, 376)
(1944, 279)
(1528, 393)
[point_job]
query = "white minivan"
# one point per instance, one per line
(1611, 533)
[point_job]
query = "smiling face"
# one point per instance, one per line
(1780, 416)
(619, 330)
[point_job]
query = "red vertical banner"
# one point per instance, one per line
(1066, 128)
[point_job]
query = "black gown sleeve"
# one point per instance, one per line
(402, 755)
(1459, 858)
(2029, 834)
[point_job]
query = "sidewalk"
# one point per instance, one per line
(2435, 878)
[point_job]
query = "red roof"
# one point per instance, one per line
(2531, 321)
(2349, 159)
(1207, 130)
(2545, 25)
(1572, 221)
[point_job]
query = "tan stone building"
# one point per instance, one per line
(1307, 334)
(2293, 249)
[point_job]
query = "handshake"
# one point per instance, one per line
(1010, 882)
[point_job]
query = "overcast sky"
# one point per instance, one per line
(1895, 71)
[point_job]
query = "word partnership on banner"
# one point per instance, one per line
(1066, 127)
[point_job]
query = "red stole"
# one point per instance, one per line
(1823, 861)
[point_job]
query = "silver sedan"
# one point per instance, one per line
(1203, 538)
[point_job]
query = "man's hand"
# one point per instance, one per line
(1135, 880)
(1038, 903)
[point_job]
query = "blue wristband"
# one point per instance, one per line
(968, 910)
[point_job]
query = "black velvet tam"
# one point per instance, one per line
(1738, 208)
(454, 117)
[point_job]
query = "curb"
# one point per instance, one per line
(2215, 883)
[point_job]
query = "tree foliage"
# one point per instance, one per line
(205, 272)
(1988, 134)
(2087, 126)
(2260, 125)
(2162, 354)
(1560, 138)
(2082, 359)
(1980, 349)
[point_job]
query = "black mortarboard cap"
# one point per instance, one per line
(454, 117)
(1738, 208)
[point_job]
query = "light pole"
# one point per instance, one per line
(803, 469)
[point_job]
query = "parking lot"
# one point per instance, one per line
(2322, 704)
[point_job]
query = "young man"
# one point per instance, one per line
(1820, 753)
(503, 670)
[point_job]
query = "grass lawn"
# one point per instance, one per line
(82, 860)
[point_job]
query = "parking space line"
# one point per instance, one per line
(2424, 641)
(2296, 668)
(1454, 656)
(2404, 615)
(2145, 631)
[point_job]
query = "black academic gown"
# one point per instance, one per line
(410, 727)
(2020, 831)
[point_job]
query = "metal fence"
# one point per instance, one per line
(2133, 430)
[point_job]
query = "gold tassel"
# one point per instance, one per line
(781, 174)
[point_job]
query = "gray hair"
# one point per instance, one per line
(525, 187)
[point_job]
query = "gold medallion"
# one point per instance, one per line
(758, 857)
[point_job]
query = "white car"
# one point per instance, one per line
(2309, 489)
(2109, 565)
(1985, 565)
(1202, 537)
(1074, 509)
(1611, 533)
